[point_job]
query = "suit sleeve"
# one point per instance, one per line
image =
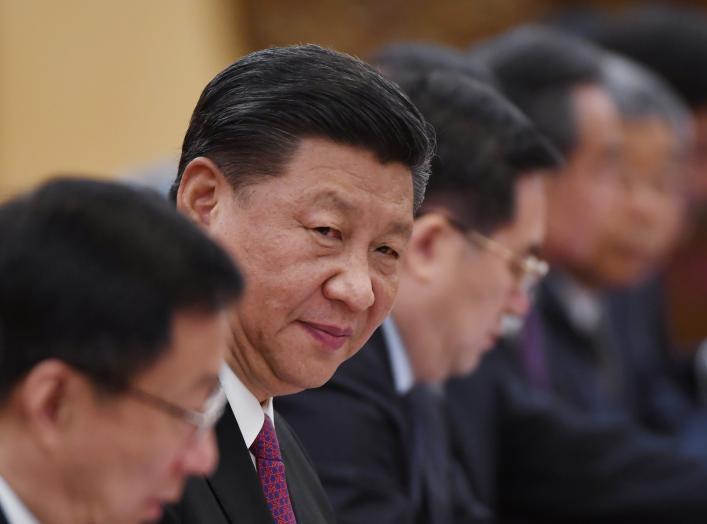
(559, 465)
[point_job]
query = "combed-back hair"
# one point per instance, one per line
(484, 144)
(92, 273)
(670, 40)
(538, 69)
(639, 93)
(251, 117)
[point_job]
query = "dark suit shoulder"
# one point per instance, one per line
(234, 494)
(308, 497)
(356, 429)
(368, 372)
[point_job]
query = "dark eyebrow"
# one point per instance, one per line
(401, 228)
(334, 200)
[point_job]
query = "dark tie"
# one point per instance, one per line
(431, 482)
(271, 471)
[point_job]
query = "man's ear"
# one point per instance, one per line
(429, 246)
(44, 397)
(200, 188)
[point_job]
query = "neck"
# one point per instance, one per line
(419, 345)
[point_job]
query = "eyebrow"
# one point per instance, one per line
(334, 200)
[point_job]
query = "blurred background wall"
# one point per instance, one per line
(100, 87)
(106, 87)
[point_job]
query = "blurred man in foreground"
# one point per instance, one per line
(111, 337)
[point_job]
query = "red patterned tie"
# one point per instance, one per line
(271, 470)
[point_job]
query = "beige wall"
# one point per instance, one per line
(102, 86)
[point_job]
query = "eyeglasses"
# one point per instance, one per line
(528, 270)
(203, 420)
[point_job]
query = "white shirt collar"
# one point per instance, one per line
(13, 508)
(249, 414)
(399, 361)
(583, 305)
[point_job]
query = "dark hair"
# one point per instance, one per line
(670, 40)
(252, 115)
(91, 273)
(420, 57)
(484, 144)
(538, 69)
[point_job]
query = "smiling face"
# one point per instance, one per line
(319, 245)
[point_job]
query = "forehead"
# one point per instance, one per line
(649, 136)
(596, 116)
(341, 178)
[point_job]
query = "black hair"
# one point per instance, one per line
(538, 69)
(420, 57)
(484, 144)
(91, 273)
(251, 116)
(670, 40)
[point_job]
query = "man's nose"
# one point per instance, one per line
(352, 284)
(201, 455)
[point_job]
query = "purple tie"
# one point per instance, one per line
(271, 471)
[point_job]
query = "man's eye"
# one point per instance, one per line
(387, 250)
(328, 232)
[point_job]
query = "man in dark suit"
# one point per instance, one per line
(384, 456)
(306, 165)
(112, 314)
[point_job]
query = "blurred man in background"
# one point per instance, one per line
(307, 166)
(384, 456)
(574, 455)
(112, 321)
(672, 41)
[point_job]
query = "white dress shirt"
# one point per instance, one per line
(13, 508)
(249, 413)
(403, 376)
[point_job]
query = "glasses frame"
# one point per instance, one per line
(203, 421)
(527, 269)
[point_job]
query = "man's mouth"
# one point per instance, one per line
(329, 335)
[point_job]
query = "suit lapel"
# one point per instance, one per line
(235, 483)
(307, 495)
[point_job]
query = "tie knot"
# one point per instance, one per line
(266, 445)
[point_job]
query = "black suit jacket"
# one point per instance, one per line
(358, 430)
(3, 520)
(622, 369)
(534, 459)
(233, 493)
